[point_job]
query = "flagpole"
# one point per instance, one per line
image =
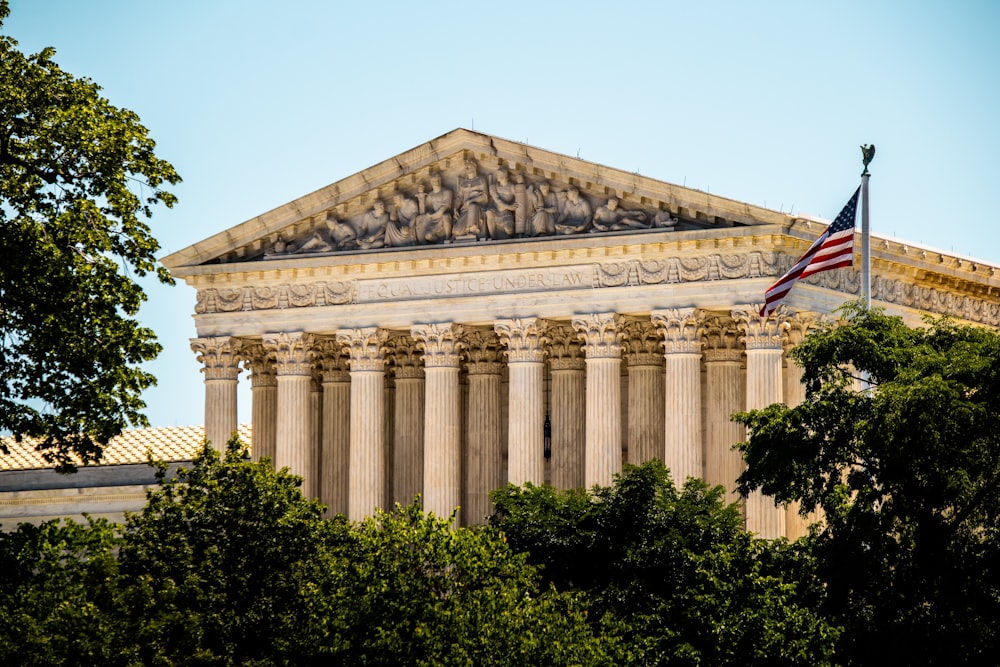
(867, 152)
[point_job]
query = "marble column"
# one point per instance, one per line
(601, 335)
(724, 395)
(366, 470)
(763, 337)
(293, 355)
(408, 426)
(336, 438)
(524, 339)
(441, 345)
(484, 448)
(316, 428)
(568, 405)
(644, 360)
(220, 364)
(264, 397)
(681, 331)
(799, 325)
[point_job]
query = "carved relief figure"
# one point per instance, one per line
(473, 196)
(400, 230)
(611, 218)
(337, 235)
(546, 208)
(663, 219)
(371, 233)
(500, 215)
(575, 214)
(433, 224)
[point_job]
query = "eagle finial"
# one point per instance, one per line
(867, 154)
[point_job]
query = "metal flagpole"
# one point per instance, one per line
(867, 153)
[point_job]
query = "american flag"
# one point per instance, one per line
(833, 249)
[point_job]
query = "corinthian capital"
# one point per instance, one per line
(257, 359)
(643, 344)
(482, 353)
(404, 353)
(219, 357)
(601, 334)
(331, 360)
(680, 328)
(565, 349)
(524, 339)
(441, 344)
(761, 332)
(292, 352)
(721, 339)
(365, 347)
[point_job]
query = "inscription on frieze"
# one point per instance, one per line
(476, 284)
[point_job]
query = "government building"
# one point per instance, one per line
(477, 311)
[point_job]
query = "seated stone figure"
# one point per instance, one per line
(664, 220)
(371, 232)
(433, 223)
(575, 213)
(400, 230)
(545, 207)
(500, 214)
(611, 218)
(473, 196)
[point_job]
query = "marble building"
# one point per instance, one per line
(476, 311)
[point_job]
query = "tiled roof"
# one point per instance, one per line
(168, 443)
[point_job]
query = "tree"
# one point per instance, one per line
(78, 182)
(410, 589)
(672, 574)
(59, 594)
(223, 566)
(907, 474)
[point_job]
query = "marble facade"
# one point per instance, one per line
(429, 324)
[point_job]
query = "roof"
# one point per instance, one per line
(167, 443)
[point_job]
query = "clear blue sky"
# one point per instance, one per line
(258, 103)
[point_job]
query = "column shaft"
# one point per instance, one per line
(483, 457)
(601, 337)
(221, 368)
(293, 356)
(524, 340)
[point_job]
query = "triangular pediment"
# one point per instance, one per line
(488, 190)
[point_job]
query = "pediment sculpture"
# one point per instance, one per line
(470, 206)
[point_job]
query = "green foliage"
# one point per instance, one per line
(58, 594)
(908, 477)
(412, 590)
(78, 180)
(222, 566)
(672, 574)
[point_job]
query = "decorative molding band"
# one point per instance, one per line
(628, 273)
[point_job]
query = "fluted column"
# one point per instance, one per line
(644, 359)
(366, 470)
(316, 431)
(799, 325)
(336, 438)
(601, 335)
(220, 364)
(568, 404)
(293, 357)
(264, 397)
(408, 427)
(441, 346)
(483, 456)
(524, 339)
(680, 328)
(724, 395)
(763, 339)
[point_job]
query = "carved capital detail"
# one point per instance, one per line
(482, 353)
(259, 361)
(219, 357)
(721, 339)
(331, 360)
(292, 352)
(643, 344)
(680, 329)
(441, 343)
(365, 347)
(524, 338)
(565, 349)
(800, 323)
(761, 333)
(404, 353)
(601, 334)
